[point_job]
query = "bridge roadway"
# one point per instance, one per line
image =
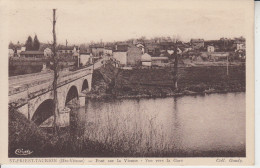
(16, 82)
(32, 94)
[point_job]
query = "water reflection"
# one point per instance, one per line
(189, 124)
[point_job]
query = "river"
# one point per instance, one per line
(201, 125)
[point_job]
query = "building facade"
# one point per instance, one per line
(134, 55)
(68, 50)
(108, 51)
(197, 43)
(120, 56)
(19, 50)
(47, 52)
(84, 58)
(211, 48)
(32, 54)
(10, 52)
(160, 61)
(146, 60)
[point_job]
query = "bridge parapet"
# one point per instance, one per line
(21, 93)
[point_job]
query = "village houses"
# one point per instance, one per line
(197, 43)
(10, 52)
(211, 48)
(141, 47)
(134, 55)
(97, 49)
(47, 52)
(32, 54)
(68, 50)
(108, 50)
(129, 55)
(19, 50)
(84, 57)
(148, 60)
(120, 53)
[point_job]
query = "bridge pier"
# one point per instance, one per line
(24, 110)
(82, 99)
(63, 119)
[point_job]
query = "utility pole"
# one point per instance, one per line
(78, 57)
(175, 69)
(55, 70)
(227, 66)
(93, 64)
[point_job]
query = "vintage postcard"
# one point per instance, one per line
(118, 82)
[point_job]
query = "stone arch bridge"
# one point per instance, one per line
(33, 94)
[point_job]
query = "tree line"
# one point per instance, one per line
(30, 44)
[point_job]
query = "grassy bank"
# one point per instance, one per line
(159, 82)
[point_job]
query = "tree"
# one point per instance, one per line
(36, 43)
(29, 44)
(11, 45)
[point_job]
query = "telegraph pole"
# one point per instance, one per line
(55, 70)
(175, 69)
(227, 66)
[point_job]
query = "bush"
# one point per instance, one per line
(198, 88)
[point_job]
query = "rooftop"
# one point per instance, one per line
(121, 48)
(66, 47)
(160, 58)
(196, 40)
(32, 52)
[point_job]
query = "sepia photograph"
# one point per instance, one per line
(130, 79)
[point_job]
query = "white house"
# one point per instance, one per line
(170, 51)
(241, 46)
(10, 52)
(47, 52)
(186, 49)
(20, 50)
(160, 61)
(146, 60)
(120, 56)
(211, 48)
(71, 50)
(84, 57)
(108, 51)
(140, 46)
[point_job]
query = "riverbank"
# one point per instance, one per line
(149, 83)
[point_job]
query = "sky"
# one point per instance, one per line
(84, 21)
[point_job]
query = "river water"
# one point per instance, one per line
(201, 125)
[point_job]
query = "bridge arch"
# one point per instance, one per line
(85, 85)
(44, 111)
(72, 95)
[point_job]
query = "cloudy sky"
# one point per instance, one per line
(89, 20)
